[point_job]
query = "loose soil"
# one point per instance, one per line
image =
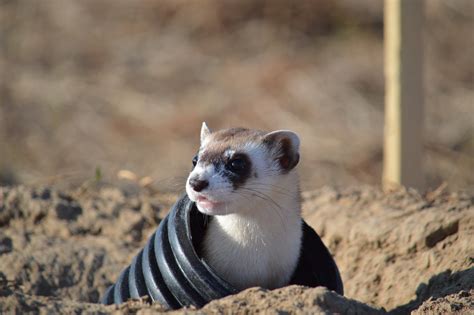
(398, 251)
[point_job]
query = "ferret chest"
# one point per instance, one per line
(249, 252)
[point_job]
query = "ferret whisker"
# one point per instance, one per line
(259, 192)
(269, 186)
(272, 202)
(284, 193)
(281, 188)
(269, 198)
(271, 173)
(172, 184)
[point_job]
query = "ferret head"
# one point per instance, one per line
(237, 168)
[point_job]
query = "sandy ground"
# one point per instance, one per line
(397, 251)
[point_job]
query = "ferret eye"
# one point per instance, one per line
(237, 165)
(195, 160)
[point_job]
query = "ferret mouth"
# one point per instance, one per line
(207, 203)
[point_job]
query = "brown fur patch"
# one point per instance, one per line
(286, 157)
(229, 139)
(235, 136)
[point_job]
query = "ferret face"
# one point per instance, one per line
(237, 167)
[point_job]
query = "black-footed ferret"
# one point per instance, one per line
(246, 180)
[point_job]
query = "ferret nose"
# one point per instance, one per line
(198, 184)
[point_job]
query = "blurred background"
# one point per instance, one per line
(92, 87)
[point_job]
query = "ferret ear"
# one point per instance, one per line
(204, 132)
(285, 146)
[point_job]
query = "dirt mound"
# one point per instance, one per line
(399, 251)
(458, 303)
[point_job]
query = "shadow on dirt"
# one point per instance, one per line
(440, 285)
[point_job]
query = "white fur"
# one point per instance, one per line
(255, 237)
(205, 131)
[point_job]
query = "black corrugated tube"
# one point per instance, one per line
(169, 270)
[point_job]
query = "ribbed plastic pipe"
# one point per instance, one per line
(169, 270)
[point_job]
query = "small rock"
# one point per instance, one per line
(68, 211)
(6, 245)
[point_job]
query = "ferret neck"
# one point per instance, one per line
(272, 218)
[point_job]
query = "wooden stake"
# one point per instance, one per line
(403, 94)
